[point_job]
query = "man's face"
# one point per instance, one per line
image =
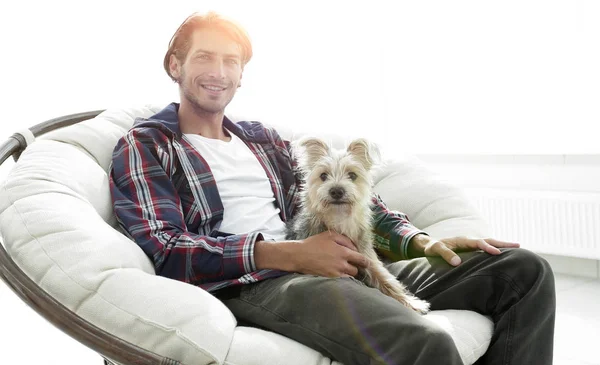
(211, 71)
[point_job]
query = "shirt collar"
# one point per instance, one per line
(168, 118)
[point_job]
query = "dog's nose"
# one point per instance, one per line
(336, 193)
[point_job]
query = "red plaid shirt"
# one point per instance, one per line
(166, 199)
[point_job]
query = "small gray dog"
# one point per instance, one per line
(337, 197)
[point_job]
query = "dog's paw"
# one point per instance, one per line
(410, 301)
(418, 305)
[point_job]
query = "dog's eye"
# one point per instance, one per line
(352, 176)
(323, 176)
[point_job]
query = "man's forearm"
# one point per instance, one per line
(275, 255)
(416, 245)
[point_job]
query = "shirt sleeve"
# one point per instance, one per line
(148, 208)
(392, 229)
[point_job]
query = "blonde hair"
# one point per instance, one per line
(181, 41)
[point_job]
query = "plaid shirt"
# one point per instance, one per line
(166, 199)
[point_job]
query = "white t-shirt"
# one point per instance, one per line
(245, 190)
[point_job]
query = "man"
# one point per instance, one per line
(207, 201)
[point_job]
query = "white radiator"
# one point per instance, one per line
(561, 223)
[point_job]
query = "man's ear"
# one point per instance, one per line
(174, 67)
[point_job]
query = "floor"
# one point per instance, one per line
(26, 338)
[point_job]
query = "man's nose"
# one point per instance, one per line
(217, 69)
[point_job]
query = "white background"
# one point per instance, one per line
(428, 77)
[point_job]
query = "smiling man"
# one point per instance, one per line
(208, 68)
(207, 201)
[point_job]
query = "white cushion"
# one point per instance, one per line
(253, 346)
(57, 223)
(470, 331)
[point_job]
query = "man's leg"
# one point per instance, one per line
(345, 320)
(515, 288)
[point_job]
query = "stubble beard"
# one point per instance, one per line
(200, 108)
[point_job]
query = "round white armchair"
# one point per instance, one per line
(64, 255)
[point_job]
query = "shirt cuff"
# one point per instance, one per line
(405, 240)
(238, 254)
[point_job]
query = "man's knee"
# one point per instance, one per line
(528, 268)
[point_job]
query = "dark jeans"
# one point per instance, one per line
(354, 324)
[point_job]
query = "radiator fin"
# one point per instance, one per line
(561, 223)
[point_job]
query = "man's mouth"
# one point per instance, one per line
(214, 88)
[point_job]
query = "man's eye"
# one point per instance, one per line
(323, 176)
(232, 61)
(352, 176)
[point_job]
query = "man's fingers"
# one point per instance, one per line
(342, 240)
(489, 245)
(483, 245)
(357, 259)
(502, 244)
(350, 270)
(439, 248)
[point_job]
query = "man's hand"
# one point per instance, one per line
(327, 254)
(423, 245)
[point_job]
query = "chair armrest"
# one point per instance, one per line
(432, 203)
(54, 226)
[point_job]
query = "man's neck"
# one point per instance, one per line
(194, 121)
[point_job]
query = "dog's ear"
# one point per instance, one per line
(364, 151)
(309, 150)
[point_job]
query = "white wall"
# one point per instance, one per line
(435, 76)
